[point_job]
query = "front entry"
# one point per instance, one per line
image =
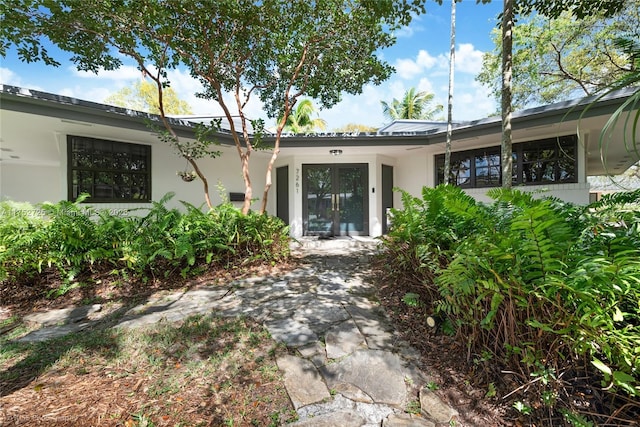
(335, 200)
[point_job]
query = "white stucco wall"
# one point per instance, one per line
(42, 176)
(413, 171)
(29, 183)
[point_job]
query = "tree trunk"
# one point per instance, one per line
(267, 187)
(203, 178)
(248, 192)
(452, 60)
(507, 71)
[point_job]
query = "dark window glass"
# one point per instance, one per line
(548, 161)
(109, 171)
(487, 172)
(538, 162)
(460, 170)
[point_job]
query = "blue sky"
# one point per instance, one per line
(420, 57)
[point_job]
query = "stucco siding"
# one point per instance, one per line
(413, 172)
(29, 183)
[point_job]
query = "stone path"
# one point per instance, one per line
(349, 367)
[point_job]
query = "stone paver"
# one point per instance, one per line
(291, 332)
(434, 408)
(371, 413)
(350, 367)
(346, 418)
(63, 315)
(406, 420)
(302, 380)
(377, 373)
(343, 339)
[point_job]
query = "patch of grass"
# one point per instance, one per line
(202, 371)
(413, 407)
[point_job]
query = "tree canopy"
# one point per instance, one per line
(143, 96)
(559, 58)
(277, 50)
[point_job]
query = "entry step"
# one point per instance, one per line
(342, 242)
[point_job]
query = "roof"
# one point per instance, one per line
(409, 126)
(403, 134)
(569, 109)
(35, 98)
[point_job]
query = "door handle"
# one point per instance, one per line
(335, 202)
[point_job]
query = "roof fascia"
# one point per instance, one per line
(65, 108)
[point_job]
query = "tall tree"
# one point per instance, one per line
(143, 96)
(555, 59)
(550, 8)
(506, 99)
(413, 105)
(301, 119)
(277, 50)
(452, 61)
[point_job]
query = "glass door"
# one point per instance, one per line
(335, 200)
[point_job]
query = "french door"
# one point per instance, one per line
(335, 199)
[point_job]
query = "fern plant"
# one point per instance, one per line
(536, 283)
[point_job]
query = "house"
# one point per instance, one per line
(54, 147)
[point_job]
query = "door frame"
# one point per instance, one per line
(336, 228)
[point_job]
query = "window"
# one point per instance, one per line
(546, 161)
(109, 171)
(460, 171)
(487, 168)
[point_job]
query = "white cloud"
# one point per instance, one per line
(425, 85)
(407, 68)
(8, 77)
(410, 68)
(468, 59)
(394, 89)
(472, 101)
(425, 60)
(361, 109)
(404, 32)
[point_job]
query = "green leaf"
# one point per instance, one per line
(617, 315)
(601, 366)
(627, 382)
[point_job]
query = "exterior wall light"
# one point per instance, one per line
(335, 152)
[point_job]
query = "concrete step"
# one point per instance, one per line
(342, 242)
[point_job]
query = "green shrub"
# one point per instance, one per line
(74, 239)
(532, 285)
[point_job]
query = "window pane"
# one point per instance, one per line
(543, 161)
(487, 169)
(103, 169)
(461, 171)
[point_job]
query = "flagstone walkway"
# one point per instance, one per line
(348, 367)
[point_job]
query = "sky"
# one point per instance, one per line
(420, 58)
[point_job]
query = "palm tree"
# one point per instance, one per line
(300, 120)
(414, 105)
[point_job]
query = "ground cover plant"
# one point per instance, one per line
(541, 297)
(71, 240)
(198, 372)
(202, 371)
